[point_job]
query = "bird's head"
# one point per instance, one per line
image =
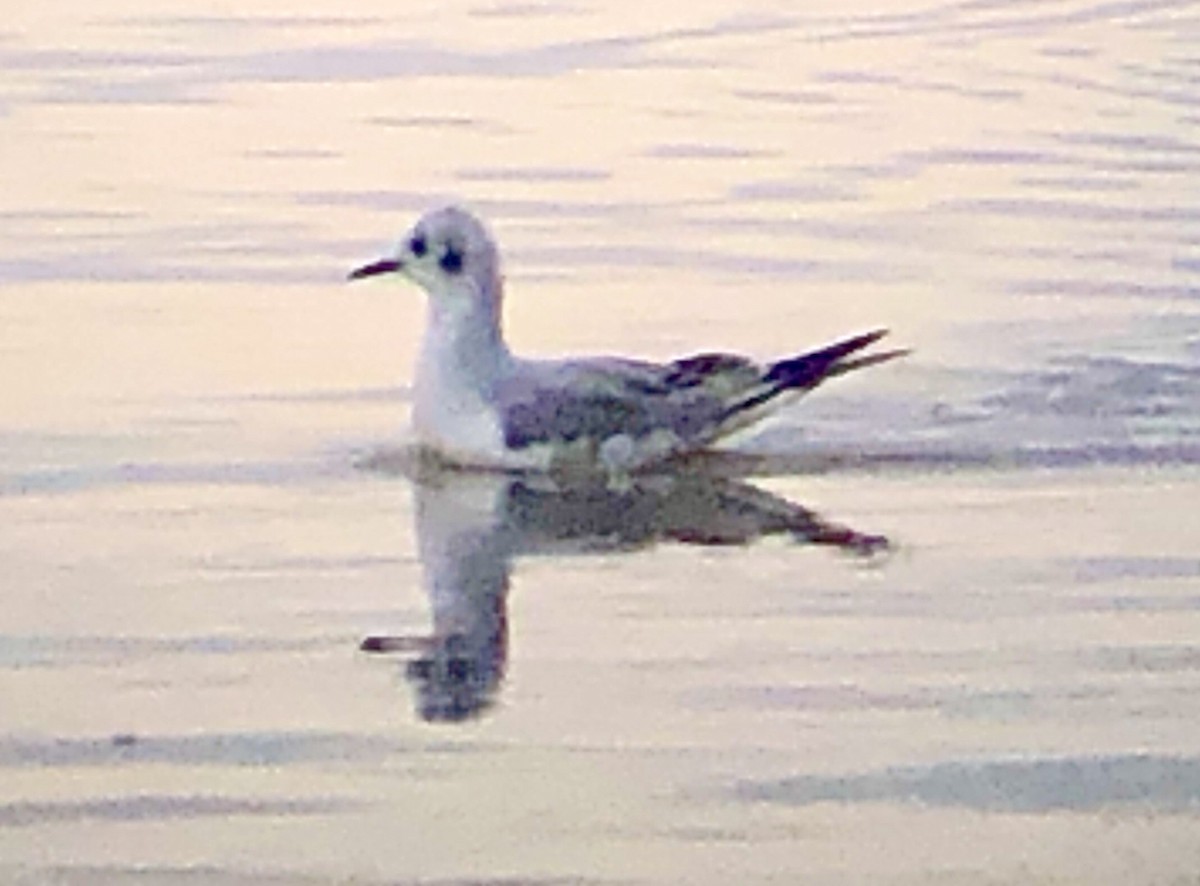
(448, 253)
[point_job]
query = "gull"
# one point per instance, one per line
(479, 406)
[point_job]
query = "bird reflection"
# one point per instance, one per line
(471, 527)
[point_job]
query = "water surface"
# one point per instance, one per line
(730, 682)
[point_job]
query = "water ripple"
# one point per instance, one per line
(250, 749)
(1165, 784)
(163, 807)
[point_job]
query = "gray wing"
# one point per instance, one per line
(685, 404)
(549, 403)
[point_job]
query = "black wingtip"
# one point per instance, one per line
(809, 370)
(806, 371)
(844, 366)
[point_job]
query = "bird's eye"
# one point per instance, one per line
(452, 260)
(417, 246)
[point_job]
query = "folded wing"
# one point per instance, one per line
(659, 410)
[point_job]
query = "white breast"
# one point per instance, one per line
(451, 417)
(458, 424)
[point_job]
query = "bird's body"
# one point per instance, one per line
(478, 405)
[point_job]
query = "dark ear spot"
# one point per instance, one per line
(452, 259)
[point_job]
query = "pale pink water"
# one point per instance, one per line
(193, 547)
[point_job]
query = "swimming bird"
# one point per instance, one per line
(478, 405)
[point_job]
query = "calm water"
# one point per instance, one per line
(206, 505)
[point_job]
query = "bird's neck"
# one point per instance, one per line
(463, 349)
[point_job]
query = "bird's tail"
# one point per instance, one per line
(802, 373)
